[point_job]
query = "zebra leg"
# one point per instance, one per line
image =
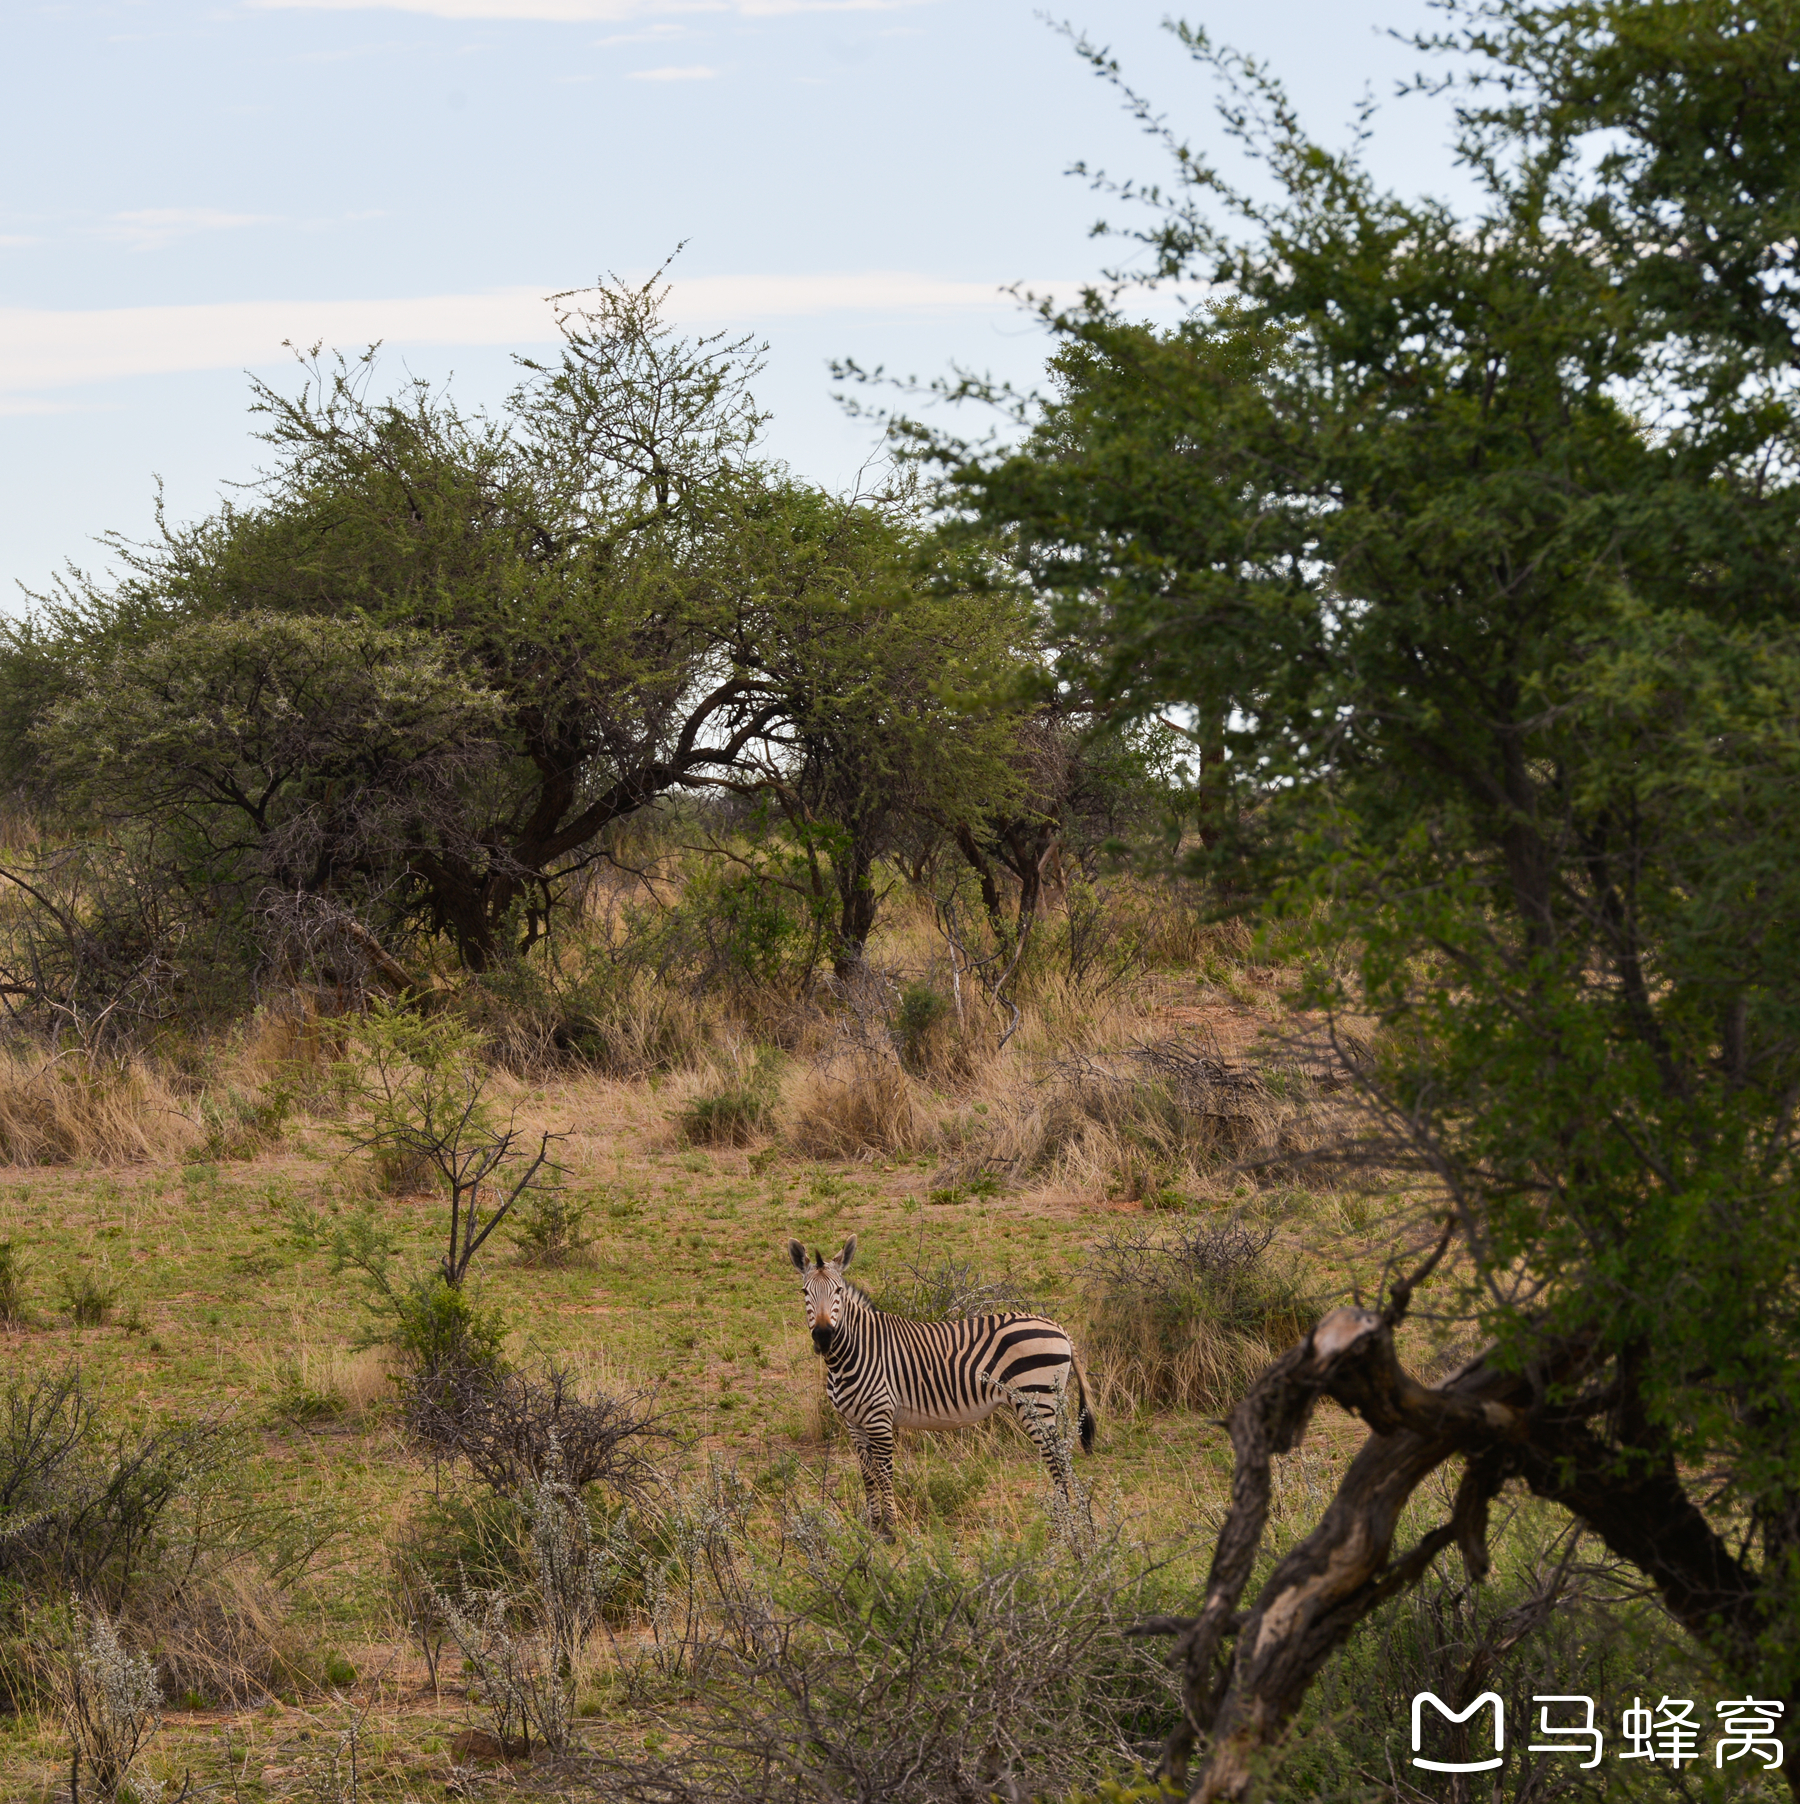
(873, 1438)
(1037, 1415)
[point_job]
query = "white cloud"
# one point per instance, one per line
(608, 12)
(150, 228)
(12, 406)
(651, 34)
(13, 241)
(691, 72)
(47, 349)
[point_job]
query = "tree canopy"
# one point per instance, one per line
(434, 656)
(1470, 537)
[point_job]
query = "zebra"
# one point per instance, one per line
(884, 1372)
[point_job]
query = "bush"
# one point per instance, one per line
(737, 1109)
(919, 1013)
(87, 1510)
(735, 932)
(105, 939)
(631, 1025)
(730, 1116)
(15, 1271)
(222, 1642)
(420, 1087)
(522, 1643)
(300, 1397)
(513, 1428)
(110, 1703)
(454, 1538)
(575, 1005)
(86, 1301)
(548, 1229)
(1005, 1674)
(443, 1334)
(952, 1290)
(1190, 1321)
(935, 1497)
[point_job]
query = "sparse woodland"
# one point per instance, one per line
(1281, 857)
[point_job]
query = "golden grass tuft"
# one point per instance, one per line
(230, 1640)
(310, 1382)
(857, 1106)
(1188, 1320)
(81, 1108)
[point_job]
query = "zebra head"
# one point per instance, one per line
(823, 1288)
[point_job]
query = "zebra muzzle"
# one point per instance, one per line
(822, 1339)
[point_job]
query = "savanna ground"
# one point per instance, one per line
(1169, 1099)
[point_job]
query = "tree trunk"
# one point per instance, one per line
(1500, 1422)
(856, 914)
(983, 867)
(1212, 815)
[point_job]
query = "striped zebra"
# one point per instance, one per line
(884, 1372)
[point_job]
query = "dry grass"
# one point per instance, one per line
(1153, 1123)
(233, 1640)
(1188, 1319)
(310, 1380)
(857, 1106)
(74, 1107)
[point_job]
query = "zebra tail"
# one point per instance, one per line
(1086, 1421)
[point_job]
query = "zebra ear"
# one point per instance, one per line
(848, 1253)
(797, 1253)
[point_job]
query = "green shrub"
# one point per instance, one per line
(729, 1116)
(627, 1023)
(15, 1273)
(950, 1290)
(1000, 1673)
(481, 1541)
(735, 1111)
(919, 1017)
(943, 1496)
(86, 1301)
(441, 1328)
(548, 1228)
(91, 1508)
(479, 1536)
(743, 931)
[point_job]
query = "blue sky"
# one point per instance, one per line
(189, 182)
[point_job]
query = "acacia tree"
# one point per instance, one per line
(578, 556)
(629, 600)
(897, 675)
(1079, 788)
(280, 751)
(1481, 532)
